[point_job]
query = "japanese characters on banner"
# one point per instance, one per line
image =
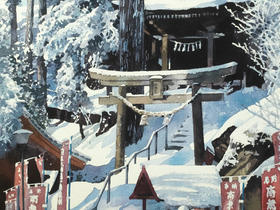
(187, 47)
(36, 199)
(40, 165)
(230, 192)
(271, 189)
(11, 198)
(276, 143)
(17, 178)
(64, 160)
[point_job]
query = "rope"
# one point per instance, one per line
(156, 114)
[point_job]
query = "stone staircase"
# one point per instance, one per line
(179, 138)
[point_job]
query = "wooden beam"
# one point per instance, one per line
(158, 29)
(216, 36)
(167, 99)
(197, 127)
(204, 76)
(164, 52)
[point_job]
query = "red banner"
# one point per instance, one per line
(17, 178)
(36, 198)
(11, 198)
(271, 189)
(64, 160)
(276, 144)
(230, 192)
(40, 165)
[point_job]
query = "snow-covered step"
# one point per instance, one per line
(183, 130)
(174, 147)
(176, 135)
(178, 141)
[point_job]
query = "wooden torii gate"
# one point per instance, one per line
(156, 80)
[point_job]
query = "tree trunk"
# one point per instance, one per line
(42, 69)
(29, 24)
(13, 16)
(132, 56)
(29, 30)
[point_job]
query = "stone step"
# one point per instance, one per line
(178, 141)
(176, 135)
(182, 130)
(174, 147)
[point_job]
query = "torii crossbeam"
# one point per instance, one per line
(157, 80)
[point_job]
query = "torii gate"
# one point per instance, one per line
(156, 80)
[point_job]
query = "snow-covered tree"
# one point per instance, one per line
(78, 34)
(10, 106)
(259, 22)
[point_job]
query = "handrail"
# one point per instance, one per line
(107, 180)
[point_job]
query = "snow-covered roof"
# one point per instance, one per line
(192, 186)
(182, 4)
(43, 132)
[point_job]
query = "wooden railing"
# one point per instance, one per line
(147, 148)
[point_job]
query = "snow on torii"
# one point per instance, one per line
(157, 80)
(182, 4)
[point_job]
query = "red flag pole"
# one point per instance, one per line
(69, 171)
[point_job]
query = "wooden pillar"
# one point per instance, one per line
(210, 46)
(121, 130)
(164, 52)
(197, 126)
(153, 51)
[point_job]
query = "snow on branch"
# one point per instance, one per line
(259, 22)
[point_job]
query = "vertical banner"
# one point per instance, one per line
(11, 198)
(230, 192)
(25, 170)
(62, 194)
(276, 145)
(36, 197)
(271, 189)
(17, 178)
(40, 165)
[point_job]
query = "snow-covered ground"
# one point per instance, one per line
(216, 115)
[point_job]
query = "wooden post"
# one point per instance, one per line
(153, 53)
(156, 142)
(210, 50)
(197, 126)
(164, 52)
(144, 204)
(121, 130)
(109, 189)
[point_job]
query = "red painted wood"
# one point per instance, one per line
(144, 188)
